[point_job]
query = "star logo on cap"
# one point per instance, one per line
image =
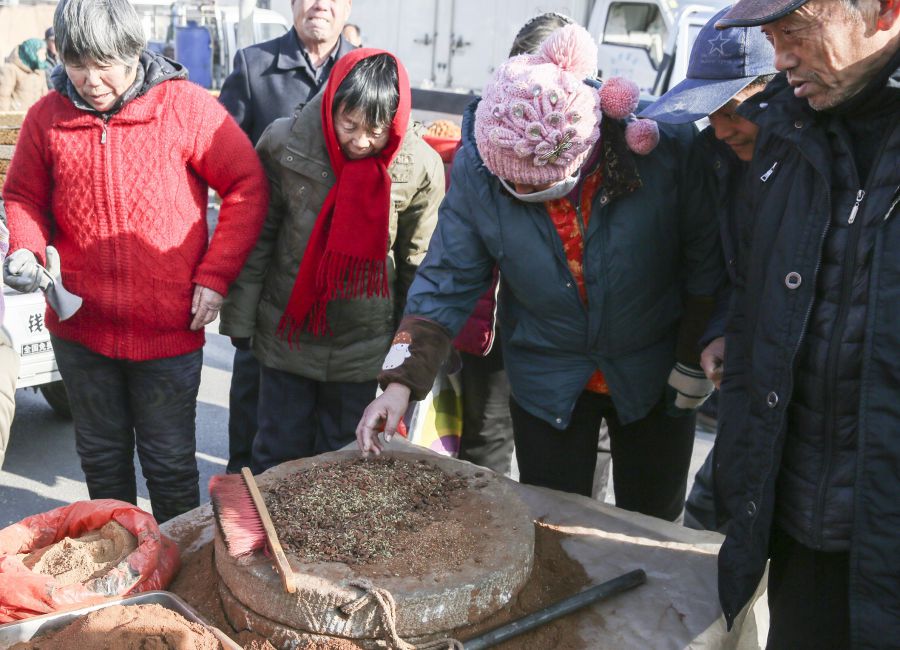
(718, 44)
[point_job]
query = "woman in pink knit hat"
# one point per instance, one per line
(608, 254)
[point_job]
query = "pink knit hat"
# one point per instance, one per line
(537, 120)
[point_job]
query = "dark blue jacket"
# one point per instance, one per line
(646, 252)
(799, 175)
(729, 191)
(272, 80)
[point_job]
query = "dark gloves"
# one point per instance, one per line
(419, 348)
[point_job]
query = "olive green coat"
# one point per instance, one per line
(293, 152)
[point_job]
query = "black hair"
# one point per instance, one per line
(372, 86)
(536, 31)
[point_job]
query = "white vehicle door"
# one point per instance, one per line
(631, 39)
(24, 320)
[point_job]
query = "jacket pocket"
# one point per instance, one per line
(170, 305)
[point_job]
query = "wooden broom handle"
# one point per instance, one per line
(281, 561)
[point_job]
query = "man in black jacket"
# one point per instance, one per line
(271, 80)
(808, 449)
(724, 70)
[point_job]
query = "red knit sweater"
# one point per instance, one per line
(127, 212)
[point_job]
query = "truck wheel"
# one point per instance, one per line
(57, 397)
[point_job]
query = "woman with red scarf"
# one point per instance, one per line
(354, 198)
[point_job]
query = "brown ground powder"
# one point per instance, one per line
(555, 576)
(74, 560)
(129, 627)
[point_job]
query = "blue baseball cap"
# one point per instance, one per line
(723, 63)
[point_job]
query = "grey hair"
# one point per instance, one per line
(856, 11)
(104, 31)
(536, 31)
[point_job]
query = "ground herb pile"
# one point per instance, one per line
(357, 511)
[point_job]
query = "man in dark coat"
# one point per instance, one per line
(271, 80)
(808, 449)
(724, 70)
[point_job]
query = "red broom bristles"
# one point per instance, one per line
(239, 521)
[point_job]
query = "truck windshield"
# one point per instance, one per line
(636, 25)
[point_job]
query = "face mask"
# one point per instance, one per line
(552, 193)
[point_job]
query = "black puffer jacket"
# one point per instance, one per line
(813, 338)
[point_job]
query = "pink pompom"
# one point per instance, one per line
(642, 136)
(573, 49)
(619, 97)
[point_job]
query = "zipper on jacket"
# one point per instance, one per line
(831, 368)
(579, 220)
(769, 173)
(860, 195)
(103, 134)
(890, 210)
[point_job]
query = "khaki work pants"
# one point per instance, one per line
(9, 373)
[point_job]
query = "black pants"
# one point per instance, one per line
(700, 509)
(487, 437)
(650, 457)
(243, 405)
(117, 404)
(809, 607)
(300, 417)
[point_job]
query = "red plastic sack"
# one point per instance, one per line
(446, 148)
(23, 593)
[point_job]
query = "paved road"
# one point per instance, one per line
(41, 470)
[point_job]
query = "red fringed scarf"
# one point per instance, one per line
(346, 256)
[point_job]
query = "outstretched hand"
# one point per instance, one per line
(383, 414)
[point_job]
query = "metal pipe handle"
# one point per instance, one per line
(560, 608)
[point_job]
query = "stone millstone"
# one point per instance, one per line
(431, 603)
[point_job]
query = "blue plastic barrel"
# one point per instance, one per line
(193, 49)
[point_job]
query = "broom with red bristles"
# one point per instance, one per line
(245, 522)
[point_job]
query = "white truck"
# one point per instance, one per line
(24, 320)
(454, 45)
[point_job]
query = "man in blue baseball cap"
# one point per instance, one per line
(722, 65)
(808, 452)
(725, 69)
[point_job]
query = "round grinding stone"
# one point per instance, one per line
(439, 599)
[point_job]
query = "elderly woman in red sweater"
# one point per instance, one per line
(112, 171)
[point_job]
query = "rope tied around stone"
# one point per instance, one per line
(387, 613)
